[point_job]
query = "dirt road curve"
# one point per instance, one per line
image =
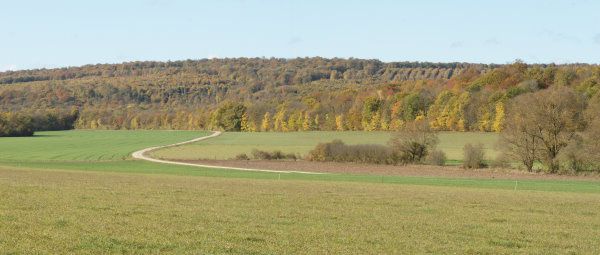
(141, 155)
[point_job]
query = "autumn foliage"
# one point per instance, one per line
(287, 95)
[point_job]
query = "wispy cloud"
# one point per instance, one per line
(456, 45)
(491, 41)
(294, 40)
(561, 37)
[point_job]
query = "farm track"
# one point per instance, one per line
(141, 154)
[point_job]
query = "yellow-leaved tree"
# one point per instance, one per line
(499, 118)
(266, 122)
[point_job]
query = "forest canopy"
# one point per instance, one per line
(259, 94)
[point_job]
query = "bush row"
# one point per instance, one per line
(337, 151)
(266, 155)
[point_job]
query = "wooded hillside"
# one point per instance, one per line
(286, 94)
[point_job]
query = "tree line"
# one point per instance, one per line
(555, 130)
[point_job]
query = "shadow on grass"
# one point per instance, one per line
(36, 135)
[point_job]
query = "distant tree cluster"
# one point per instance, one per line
(15, 125)
(26, 123)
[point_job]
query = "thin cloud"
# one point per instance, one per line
(294, 40)
(561, 37)
(491, 41)
(456, 45)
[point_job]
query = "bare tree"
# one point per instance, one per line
(517, 140)
(584, 153)
(541, 124)
(591, 135)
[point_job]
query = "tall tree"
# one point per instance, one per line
(228, 117)
(542, 124)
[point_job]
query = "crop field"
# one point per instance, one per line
(228, 145)
(83, 212)
(80, 192)
(86, 145)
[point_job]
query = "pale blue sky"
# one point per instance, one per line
(38, 34)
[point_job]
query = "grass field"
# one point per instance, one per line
(78, 212)
(80, 192)
(86, 145)
(109, 151)
(228, 145)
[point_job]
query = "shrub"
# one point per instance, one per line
(291, 156)
(275, 155)
(337, 151)
(501, 161)
(473, 156)
(242, 156)
(412, 144)
(583, 153)
(577, 157)
(258, 154)
(436, 157)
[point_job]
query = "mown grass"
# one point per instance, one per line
(228, 145)
(59, 212)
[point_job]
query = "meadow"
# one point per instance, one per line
(80, 192)
(86, 145)
(93, 212)
(109, 151)
(228, 145)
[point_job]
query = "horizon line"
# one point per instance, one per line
(298, 57)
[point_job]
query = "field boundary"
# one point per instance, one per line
(141, 154)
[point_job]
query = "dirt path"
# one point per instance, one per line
(141, 154)
(396, 170)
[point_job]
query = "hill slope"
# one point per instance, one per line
(287, 94)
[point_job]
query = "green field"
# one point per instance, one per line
(228, 145)
(78, 212)
(109, 151)
(86, 145)
(80, 192)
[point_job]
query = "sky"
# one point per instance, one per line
(60, 33)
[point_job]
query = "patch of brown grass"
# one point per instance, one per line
(394, 170)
